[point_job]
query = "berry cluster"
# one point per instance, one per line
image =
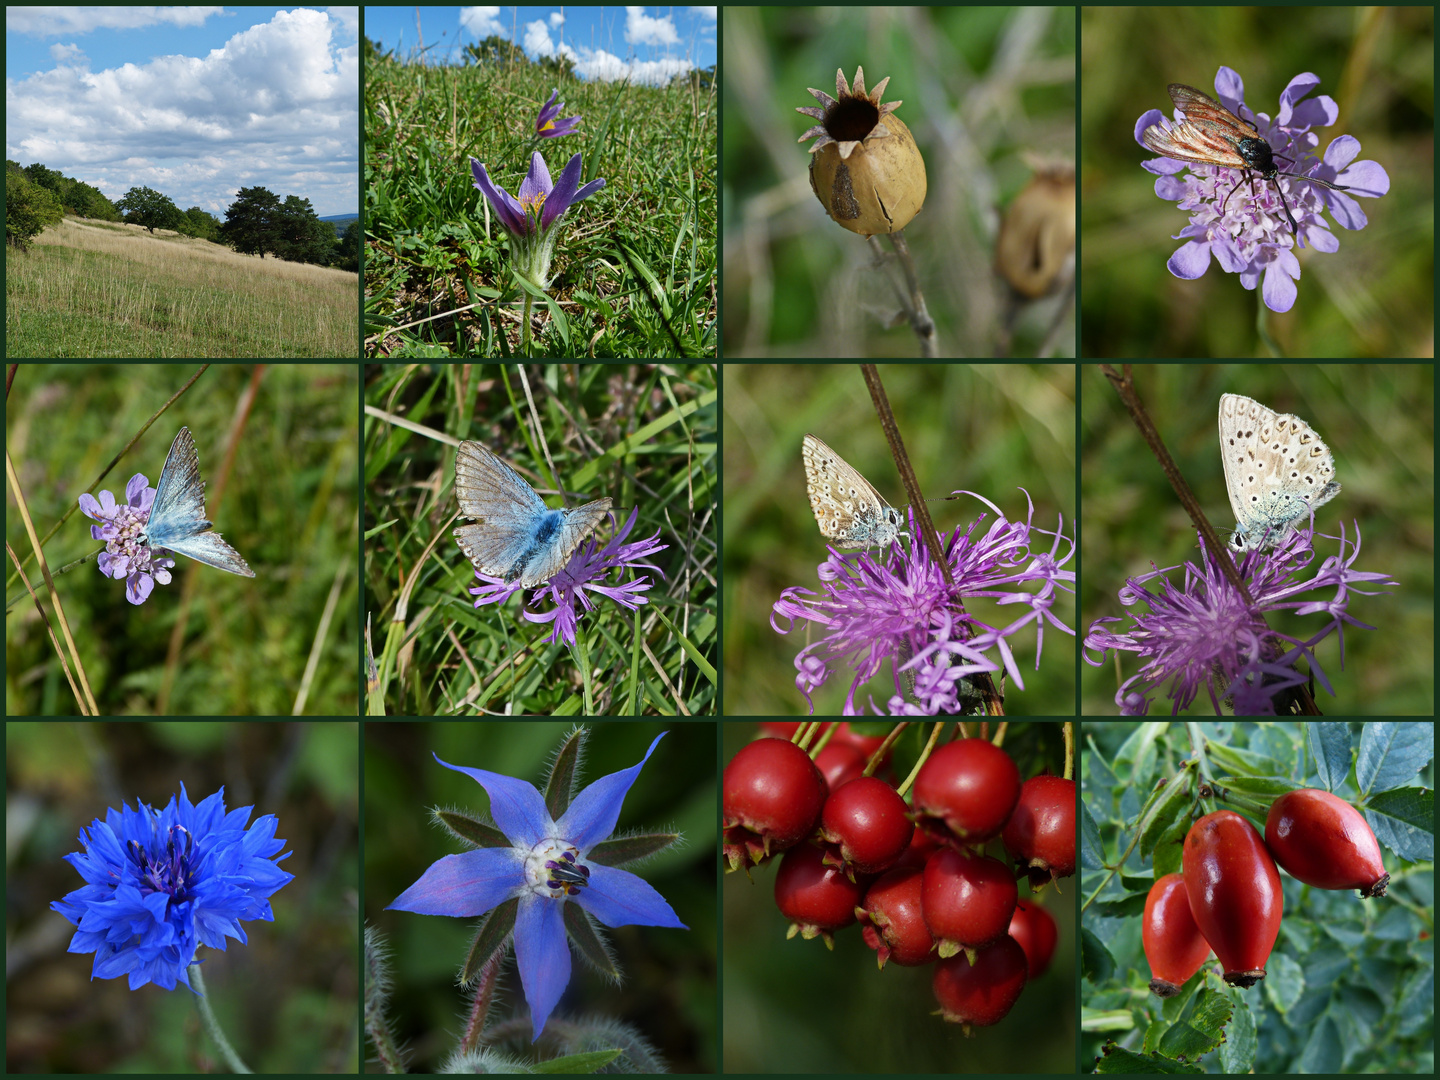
(914, 877)
(1228, 898)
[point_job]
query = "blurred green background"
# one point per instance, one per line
(282, 441)
(1374, 296)
(1379, 422)
(669, 989)
(793, 1006)
(288, 1000)
(988, 428)
(981, 87)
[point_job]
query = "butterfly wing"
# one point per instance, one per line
(847, 508)
(177, 516)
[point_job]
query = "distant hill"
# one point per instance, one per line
(341, 222)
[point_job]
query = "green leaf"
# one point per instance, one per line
(489, 939)
(471, 829)
(627, 849)
(1174, 800)
(578, 1063)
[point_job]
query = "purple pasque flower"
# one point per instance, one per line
(546, 864)
(121, 526)
(531, 219)
(547, 127)
(584, 573)
(159, 885)
(901, 608)
(1247, 230)
(1202, 633)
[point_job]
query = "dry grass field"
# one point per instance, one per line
(94, 288)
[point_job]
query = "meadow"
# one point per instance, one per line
(635, 271)
(100, 289)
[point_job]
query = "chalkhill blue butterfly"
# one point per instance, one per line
(1276, 471)
(177, 516)
(846, 507)
(516, 537)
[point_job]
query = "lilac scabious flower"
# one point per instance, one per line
(531, 874)
(901, 609)
(1202, 633)
(547, 127)
(532, 220)
(121, 525)
(1247, 230)
(583, 574)
(159, 885)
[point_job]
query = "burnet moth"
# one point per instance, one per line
(1211, 134)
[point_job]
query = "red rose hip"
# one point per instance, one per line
(968, 900)
(1323, 841)
(1234, 893)
(1173, 943)
(968, 787)
(981, 993)
(1040, 835)
(772, 798)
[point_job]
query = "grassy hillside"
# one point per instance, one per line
(96, 289)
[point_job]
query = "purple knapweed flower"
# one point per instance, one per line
(1248, 232)
(159, 885)
(547, 127)
(532, 220)
(121, 525)
(901, 608)
(547, 864)
(1202, 633)
(583, 574)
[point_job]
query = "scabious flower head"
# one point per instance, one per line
(901, 609)
(541, 865)
(159, 885)
(583, 574)
(121, 525)
(1203, 633)
(531, 219)
(1248, 232)
(547, 127)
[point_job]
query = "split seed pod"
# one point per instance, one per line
(865, 167)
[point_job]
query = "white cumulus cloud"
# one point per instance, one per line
(557, 19)
(709, 14)
(43, 21)
(483, 22)
(642, 29)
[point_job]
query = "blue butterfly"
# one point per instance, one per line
(518, 538)
(177, 517)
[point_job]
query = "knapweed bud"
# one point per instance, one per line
(865, 167)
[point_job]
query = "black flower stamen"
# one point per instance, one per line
(567, 874)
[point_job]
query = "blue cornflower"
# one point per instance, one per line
(159, 885)
(546, 863)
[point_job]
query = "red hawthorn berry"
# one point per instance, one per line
(817, 899)
(982, 992)
(892, 922)
(1234, 893)
(1034, 928)
(968, 900)
(772, 798)
(1173, 943)
(839, 763)
(865, 827)
(1040, 835)
(967, 787)
(1323, 841)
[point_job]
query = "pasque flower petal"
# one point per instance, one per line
(507, 209)
(464, 885)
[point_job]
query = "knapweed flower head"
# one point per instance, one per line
(159, 885)
(543, 878)
(532, 219)
(1202, 633)
(121, 525)
(547, 127)
(1246, 226)
(585, 573)
(900, 608)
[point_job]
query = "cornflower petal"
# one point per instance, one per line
(543, 956)
(517, 807)
(620, 898)
(464, 885)
(593, 814)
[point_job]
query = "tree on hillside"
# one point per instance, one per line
(303, 236)
(200, 223)
(148, 208)
(46, 178)
(29, 208)
(347, 248)
(252, 223)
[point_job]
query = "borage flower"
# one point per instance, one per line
(547, 127)
(532, 220)
(900, 608)
(121, 526)
(159, 885)
(1248, 230)
(525, 877)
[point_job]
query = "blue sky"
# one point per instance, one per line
(650, 45)
(195, 102)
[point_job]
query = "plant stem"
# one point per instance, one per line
(525, 331)
(212, 1025)
(920, 320)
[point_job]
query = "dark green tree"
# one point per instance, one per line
(29, 209)
(46, 178)
(199, 223)
(253, 223)
(347, 249)
(303, 236)
(495, 50)
(145, 207)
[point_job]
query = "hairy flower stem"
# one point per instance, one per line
(525, 330)
(474, 1033)
(212, 1025)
